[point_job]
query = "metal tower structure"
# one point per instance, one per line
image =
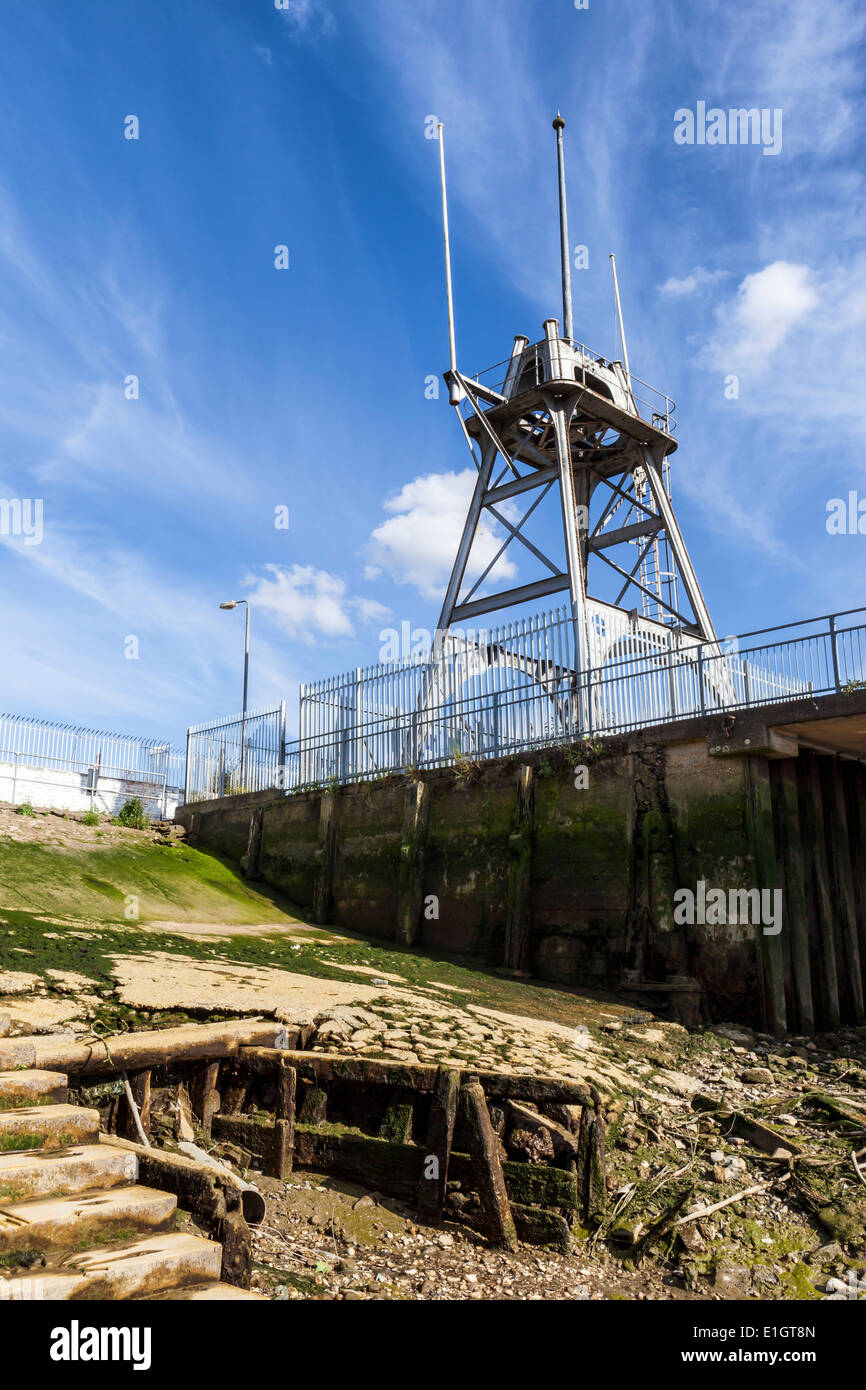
(556, 419)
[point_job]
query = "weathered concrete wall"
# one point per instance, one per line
(571, 876)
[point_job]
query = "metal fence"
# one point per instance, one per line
(77, 763)
(243, 753)
(516, 687)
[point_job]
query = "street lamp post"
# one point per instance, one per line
(236, 603)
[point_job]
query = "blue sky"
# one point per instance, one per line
(305, 388)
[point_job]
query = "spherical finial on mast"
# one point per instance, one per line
(559, 123)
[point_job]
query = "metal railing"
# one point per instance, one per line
(649, 402)
(242, 753)
(515, 688)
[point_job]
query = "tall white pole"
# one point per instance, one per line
(567, 304)
(619, 317)
(448, 284)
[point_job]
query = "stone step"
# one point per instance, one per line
(202, 1293)
(47, 1127)
(62, 1173)
(75, 1221)
(133, 1269)
(31, 1088)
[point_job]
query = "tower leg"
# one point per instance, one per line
(575, 554)
(482, 482)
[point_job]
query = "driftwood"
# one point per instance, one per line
(717, 1206)
(755, 1132)
(840, 1110)
(134, 1119)
(487, 1167)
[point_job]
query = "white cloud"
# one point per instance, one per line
(308, 17)
(769, 305)
(698, 279)
(797, 55)
(418, 541)
(307, 603)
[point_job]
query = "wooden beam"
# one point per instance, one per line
(320, 1068)
(769, 948)
(287, 1085)
(796, 906)
(204, 1095)
(487, 1168)
(139, 1084)
(814, 832)
(437, 1149)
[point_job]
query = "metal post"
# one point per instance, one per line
(621, 325)
(284, 778)
(567, 306)
(244, 716)
(188, 770)
(701, 678)
(834, 651)
(449, 289)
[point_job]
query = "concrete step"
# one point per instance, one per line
(47, 1127)
(133, 1269)
(62, 1173)
(19, 1088)
(77, 1221)
(202, 1293)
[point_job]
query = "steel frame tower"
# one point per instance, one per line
(563, 419)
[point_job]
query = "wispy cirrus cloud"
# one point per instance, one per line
(307, 18)
(697, 279)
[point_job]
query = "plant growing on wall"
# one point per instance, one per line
(133, 815)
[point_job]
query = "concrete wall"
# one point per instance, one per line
(70, 791)
(514, 862)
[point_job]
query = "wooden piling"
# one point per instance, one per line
(843, 888)
(855, 778)
(440, 1133)
(796, 913)
(204, 1094)
(812, 812)
(770, 953)
(487, 1168)
(287, 1085)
